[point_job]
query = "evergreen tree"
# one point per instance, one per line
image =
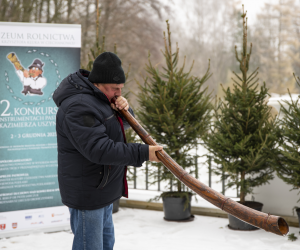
(174, 109)
(242, 134)
(287, 162)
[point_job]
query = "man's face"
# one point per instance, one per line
(111, 89)
(34, 72)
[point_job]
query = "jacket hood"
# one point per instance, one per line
(76, 84)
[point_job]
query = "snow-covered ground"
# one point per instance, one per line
(137, 229)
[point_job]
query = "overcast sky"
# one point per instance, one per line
(253, 7)
(182, 13)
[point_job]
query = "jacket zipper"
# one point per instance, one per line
(104, 171)
(106, 119)
(106, 178)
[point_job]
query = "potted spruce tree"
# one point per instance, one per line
(175, 110)
(287, 156)
(242, 134)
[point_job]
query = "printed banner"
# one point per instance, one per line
(44, 219)
(34, 58)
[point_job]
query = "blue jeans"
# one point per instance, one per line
(92, 229)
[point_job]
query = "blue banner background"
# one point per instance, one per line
(28, 151)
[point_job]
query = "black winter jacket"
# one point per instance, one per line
(92, 154)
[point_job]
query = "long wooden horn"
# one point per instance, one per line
(269, 223)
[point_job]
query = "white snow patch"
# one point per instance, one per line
(137, 229)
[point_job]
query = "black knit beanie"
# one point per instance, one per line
(107, 69)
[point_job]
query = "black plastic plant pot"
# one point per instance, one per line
(116, 206)
(237, 224)
(174, 208)
(298, 213)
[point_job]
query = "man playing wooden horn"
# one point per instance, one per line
(92, 150)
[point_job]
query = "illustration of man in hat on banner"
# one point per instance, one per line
(32, 78)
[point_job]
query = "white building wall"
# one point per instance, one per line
(277, 197)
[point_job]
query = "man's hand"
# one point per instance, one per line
(26, 73)
(121, 103)
(152, 155)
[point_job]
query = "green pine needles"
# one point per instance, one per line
(288, 157)
(174, 109)
(292, 237)
(242, 134)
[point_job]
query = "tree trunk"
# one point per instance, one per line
(27, 10)
(15, 12)
(40, 11)
(242, 194)
(48, 11)
(69, 10)
(85, 28)
(3, 8)
(179, 186)
(56, 15)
